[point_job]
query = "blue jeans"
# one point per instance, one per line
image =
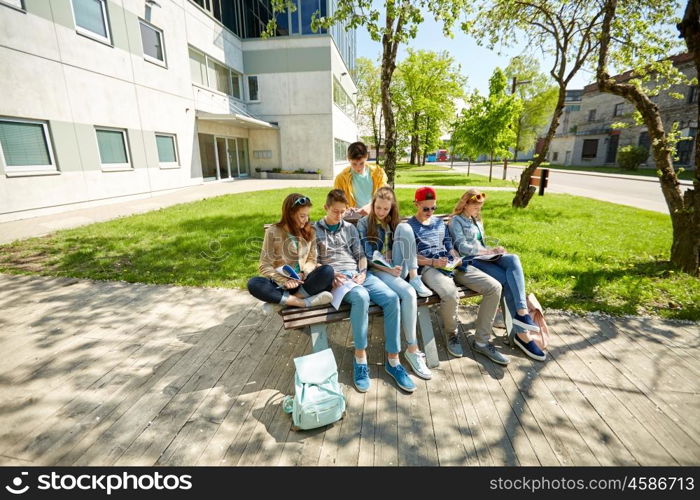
(359, 297)
(409, 307)
(403, 250)
(508, 272)
(265, 289)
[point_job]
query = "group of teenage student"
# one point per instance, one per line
(424, 253)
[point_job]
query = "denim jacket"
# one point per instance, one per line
(465, 236)
(369, 245)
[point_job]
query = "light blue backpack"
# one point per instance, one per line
(318, 398)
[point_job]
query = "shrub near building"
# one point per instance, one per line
(630, 157)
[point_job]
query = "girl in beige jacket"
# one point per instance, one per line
(291, 242)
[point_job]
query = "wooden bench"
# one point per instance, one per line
(314, 320)
(540, 178)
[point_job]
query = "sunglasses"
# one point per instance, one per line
(429, 209)
(302, 200)
(478, 197)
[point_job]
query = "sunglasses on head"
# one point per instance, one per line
(429, 209)
(478, 197)
(302, 200)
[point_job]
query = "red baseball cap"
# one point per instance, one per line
(425, 193)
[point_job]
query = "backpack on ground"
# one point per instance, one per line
(318, 398)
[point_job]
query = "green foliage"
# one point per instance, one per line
(369, 99)
(538, 95)
(630, 157)
(487, 126)
(425, 88)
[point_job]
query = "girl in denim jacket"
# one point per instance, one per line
(467, 231)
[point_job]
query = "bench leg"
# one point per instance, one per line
(319, 337)
(426, 332)
(508, 320)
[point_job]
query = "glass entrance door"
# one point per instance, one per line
(243, 160)
(222, 158)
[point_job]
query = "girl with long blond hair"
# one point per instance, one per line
(468, 236)
(381, 231)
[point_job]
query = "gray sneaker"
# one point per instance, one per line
(417, 362)
(489, 350)
(454, 347)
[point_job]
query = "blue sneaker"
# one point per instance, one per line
(360, 376)
(403, 379)
(530, 348)
(525, 322)
(454, 347)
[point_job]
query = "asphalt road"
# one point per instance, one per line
(635, 191)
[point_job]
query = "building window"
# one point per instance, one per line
(219, 76)
(591, 115)
(167, 150)
(590, 148)
(618, 109)
(13, 3)
(644, 140)
(555, 156)
(211, 6)
(685, 147)
(25, 146)
(235, 85)
(341, 150)
(693, 94)
(342, 99)
(264, 154)
(114, 153)
(152, 42)
(253, 92)
(198, 68)
(91, 19)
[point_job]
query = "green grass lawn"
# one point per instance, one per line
(578, 254)
(448, 179)
(428, 167)
(687, 175)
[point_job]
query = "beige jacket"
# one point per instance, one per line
(279, 249)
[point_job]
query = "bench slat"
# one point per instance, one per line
(294, 318)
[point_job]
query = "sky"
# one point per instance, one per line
(478, 63)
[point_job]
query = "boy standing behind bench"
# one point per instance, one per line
(339, 246)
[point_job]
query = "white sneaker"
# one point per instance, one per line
(269, 308)
(320, 299)
(421, 289)
(417, 362)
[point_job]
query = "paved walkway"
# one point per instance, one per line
(110, 373)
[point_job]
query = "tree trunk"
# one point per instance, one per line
(685, 249)
(517, 139)
(525, 191)
(415, 141)
(469, 166)
(685, 222)
(388, 67)
(490, 165)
